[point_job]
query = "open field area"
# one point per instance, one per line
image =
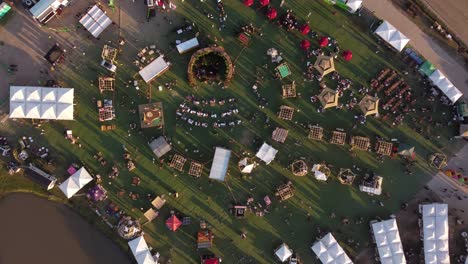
(295, 221)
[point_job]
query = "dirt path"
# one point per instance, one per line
(454, 68)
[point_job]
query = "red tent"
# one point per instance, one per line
(305, 44)
(264, 2)
(304, 29)
(211, 261)
(272, 13)
(347, 55)
(323, 41)
(248, 2)
(173, 223)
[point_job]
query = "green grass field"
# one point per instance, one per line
(288, 221)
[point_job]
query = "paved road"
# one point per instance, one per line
(453, 13)
(454, 68)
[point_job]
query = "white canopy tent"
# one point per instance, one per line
(187, 45)
(444, 84)
(141, 251)
(328, 250)
(283, 252)
(220, 164)
(75, 182)
(387, 239)
(266, 153)
(95, 21)
(318, 174)
(154, 69)
(375, 189)
(392, 36)
(41, 102)
(245, 166)
(435, 232)
(354, 5)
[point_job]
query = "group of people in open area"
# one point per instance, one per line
(192, 110)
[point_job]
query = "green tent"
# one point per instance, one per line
(427, 68)
(4, 8)
(462, 109)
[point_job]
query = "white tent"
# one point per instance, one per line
(387, 239)
(220, 164)
(75, 182)
(41, 102)
(141, 251)
(187, 45)
(266, 153)
(374, 189)
(328, 250)
(354, 5)
(245, 166)
(444, 84)
(283, 252)
(392, 36)
(318, 174)
(154, 69)
(435, 232)
(95, 21)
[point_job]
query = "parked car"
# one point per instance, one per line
(108, 65)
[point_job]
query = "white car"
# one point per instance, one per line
(108, 65)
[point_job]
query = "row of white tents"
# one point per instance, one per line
(141, 251)
(445, 86)
(95, 21)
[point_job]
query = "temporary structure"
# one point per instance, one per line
(372, 185)
(44, 10)
(354, 5)
(264, 2)
(41, 103)
(384, 148)
(346, 176)
(388, 242)
(406, 151)
(438, 160)
(305, 44)
(445, 85)
(347, 55)
(154, 69)
(316, 133)
(463, 131)
(299, 168)
(141, 251)
(280, 134)
(187, 45)
(220, 164)
(324, 65)
(272, 13)
(435, 233)
(328, 251)
(323, 41)
(427, 68)
(160, 146)
(95, 21)
(173, 223)
(248, 2)
(283, 252)
(266, 153)
(328, 98)
(75, 182)
(304, 29)
(246, 166)
(321, 172)
(361, 143)
(369, 105)
(392, 36)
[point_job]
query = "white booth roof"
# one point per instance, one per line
(354, 5)
(41, 102)
(388, 242)
(220, 164)
(187, 45)
(445, 85)
(392, 36)
(329, 251)
(75, 182)
(318, 174)
(266, 153)
(95, 21)
(283, 252)
(141, 251)
(155, 68)
(435, 232)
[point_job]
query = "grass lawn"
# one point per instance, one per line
(295, 221)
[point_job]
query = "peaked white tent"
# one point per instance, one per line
(435, 233)
(392, 36)
(266, 153)
(354, 5)
(245, 166)
(141, 251)
(444, 84)
(41, 102)
(387, 239)
(154, 69)
(318, 174)
(283, 252)
(75, 182)
(220, 164)
(328, 250)
(95, 21)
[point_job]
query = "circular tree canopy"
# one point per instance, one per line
(210, 65)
